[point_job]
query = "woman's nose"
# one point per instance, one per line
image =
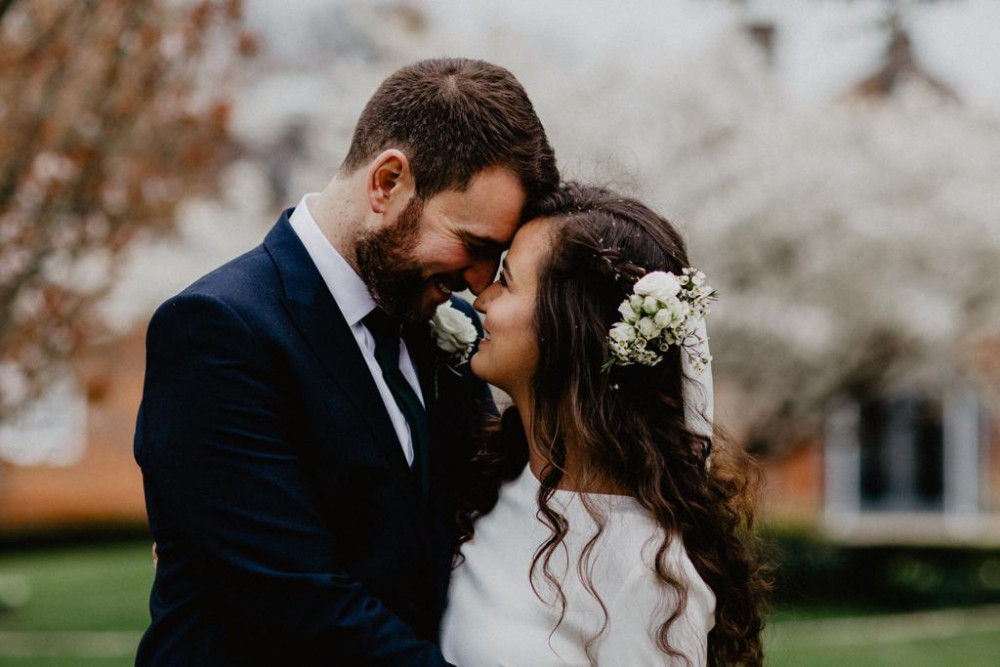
(483, 300)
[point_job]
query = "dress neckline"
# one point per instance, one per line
(530, 484)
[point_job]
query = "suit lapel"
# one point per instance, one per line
(316, 315)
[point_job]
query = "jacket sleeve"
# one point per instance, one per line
(230, 487)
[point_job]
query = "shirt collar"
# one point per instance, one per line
(346, 286)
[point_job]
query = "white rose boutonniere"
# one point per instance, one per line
(454, 332)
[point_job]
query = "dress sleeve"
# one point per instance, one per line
(637, 613)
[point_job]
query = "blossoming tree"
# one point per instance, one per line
(106, 121)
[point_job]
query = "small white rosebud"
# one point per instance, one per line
(636, 302)
(628, 313)
(650, 305)
(647, 327)
(679, 310)
(663, 318)
(623, 333)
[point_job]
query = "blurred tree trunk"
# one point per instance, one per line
(107, 120)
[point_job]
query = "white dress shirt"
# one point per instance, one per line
(355, 302)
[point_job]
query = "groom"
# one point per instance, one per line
(298, 424)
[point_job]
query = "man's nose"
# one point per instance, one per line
(480, 274)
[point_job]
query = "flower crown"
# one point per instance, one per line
(663, 310)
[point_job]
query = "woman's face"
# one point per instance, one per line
(508, 355)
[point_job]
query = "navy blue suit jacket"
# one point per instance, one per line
(289, 528)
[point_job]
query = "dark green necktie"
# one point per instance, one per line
(386, 333)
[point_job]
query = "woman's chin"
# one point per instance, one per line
(480, 368)
(476, 366)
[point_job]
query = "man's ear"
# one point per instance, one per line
(389, 179)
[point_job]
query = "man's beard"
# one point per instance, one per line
(388, 265)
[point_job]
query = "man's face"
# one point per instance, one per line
(448, 243)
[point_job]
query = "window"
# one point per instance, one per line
(902, 455)
(914, 453)
(49, 431)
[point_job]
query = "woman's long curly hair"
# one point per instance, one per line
(626, 428)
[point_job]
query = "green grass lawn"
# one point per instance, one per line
(100, 591)
(968, 637)
(972, 649)
(87, 607)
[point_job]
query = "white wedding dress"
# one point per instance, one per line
(495, 618)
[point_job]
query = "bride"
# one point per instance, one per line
(600, 525)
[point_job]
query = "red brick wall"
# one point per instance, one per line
(105, 486)
(793, 489)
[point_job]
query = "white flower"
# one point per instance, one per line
(647, 327)
(453, 331)
(663, 311)
(659, 284)
(623, 333)
(679, 311)
(628, 313)
(672, 314)
(696, 277)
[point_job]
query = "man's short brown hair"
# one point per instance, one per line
(453, 118)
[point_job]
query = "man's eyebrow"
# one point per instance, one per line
(483, 243)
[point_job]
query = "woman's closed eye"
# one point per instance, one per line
(504, 278)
